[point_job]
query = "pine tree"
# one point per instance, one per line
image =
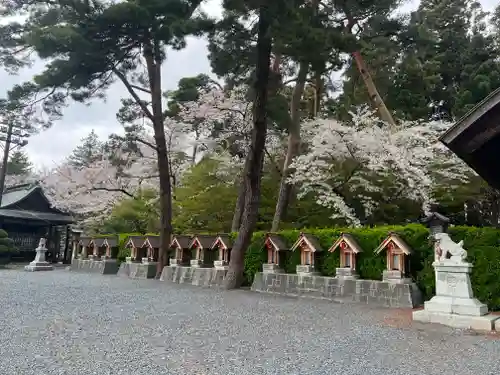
(91, 45)
(87, 152)
(18, 164)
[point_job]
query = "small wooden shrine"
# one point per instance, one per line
(201, 245)
(98, 248)
(182, 255)
(309, 246)
(84, 249)
(397, 255)
(274, 244)
(349, 248)
(223, 244)
(137, 252)
(150, 249)
(111, 244)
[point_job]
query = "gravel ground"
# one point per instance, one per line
(66, 323)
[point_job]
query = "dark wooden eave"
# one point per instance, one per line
(224, 239)
(180, 242)
(135, 241)
(475, 138)
(311, 241)
(111, 241)
(28, 202)
(277, 241)
(204, 240)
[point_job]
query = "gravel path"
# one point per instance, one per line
(66, 323)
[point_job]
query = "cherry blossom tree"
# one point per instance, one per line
(91, 191)
(361, 158)
(224, 123)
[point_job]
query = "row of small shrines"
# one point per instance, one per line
(215, 251)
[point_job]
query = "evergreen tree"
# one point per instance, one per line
(90, 45)
(87, 152)
(18, 164)
(442, 63)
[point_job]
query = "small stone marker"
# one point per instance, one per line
(40, 264)
(454, 304)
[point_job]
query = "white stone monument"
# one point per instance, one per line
(40, 264)
(454, 304)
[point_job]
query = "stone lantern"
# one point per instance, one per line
(75, 239)
(436, 223)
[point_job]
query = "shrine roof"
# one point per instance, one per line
(225, 239)
(205, 240)
(55, 218)
(99, 241)
(84, 241)
(152, 241)
(136, 241)
(278, 241)
(400, 243)
(311, 240)
(28, 202)
(181, 242)
(112, 241)
(350, 240)
(475, 138)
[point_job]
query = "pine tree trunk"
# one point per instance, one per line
(375, 97)
(239, 207)
(152, 56)
(292, 148)
(255, 158)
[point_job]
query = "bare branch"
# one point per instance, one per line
(140, 89)
(120, 190)
(134, 95)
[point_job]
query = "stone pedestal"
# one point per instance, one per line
(454, 304)
(148, 261)
(221, 265)
(395, 277)
(39, 263)
(128, 259)
(306, 270)
(271, 268)
(175, 262)
(196, 263)
(346, 273)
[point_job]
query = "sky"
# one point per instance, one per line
(52, 146)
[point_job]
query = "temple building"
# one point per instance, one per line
(27, 215)
(475, 138)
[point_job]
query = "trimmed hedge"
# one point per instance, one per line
(482, 245)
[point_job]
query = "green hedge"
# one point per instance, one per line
(482, 245)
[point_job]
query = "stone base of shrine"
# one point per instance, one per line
(135, 270)
(477, 323)
(103, 267)
(38, 266)
(198, 276)
(372, 292)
